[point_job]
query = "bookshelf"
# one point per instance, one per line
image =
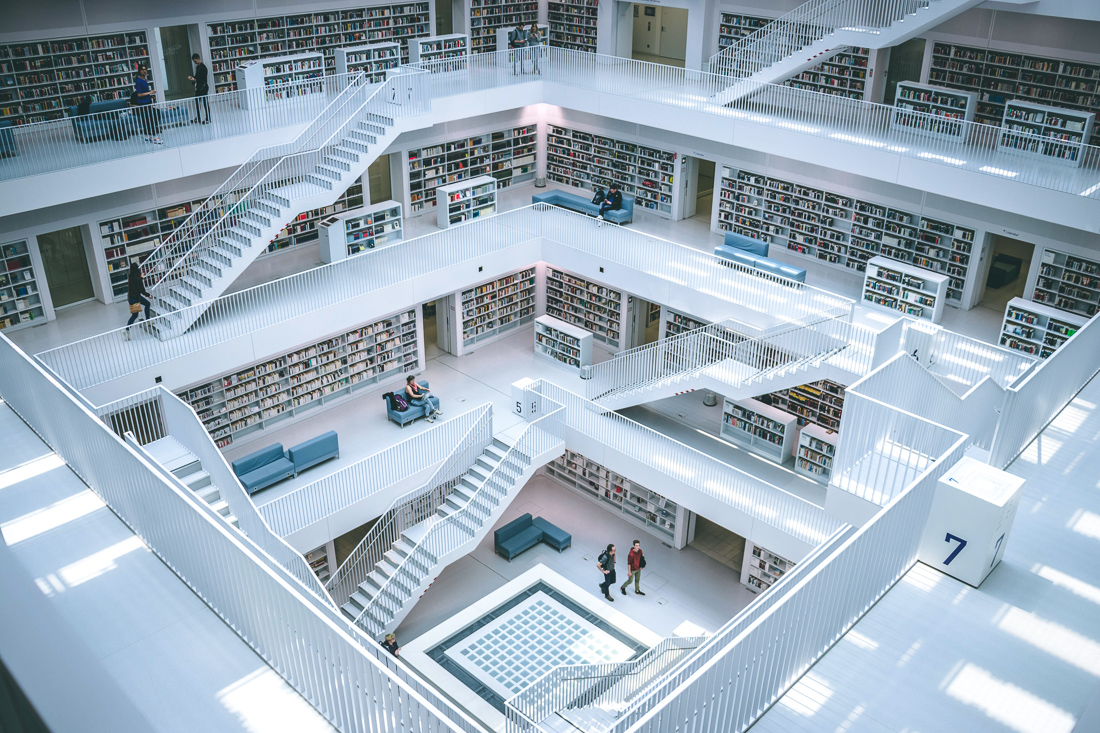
(141, 232)
(464, 201)
(40, 79)
(293, 384)
(358, 230)
(485, 18)
(1037, 329)
(451, 50)
(585, 160)
(650, 511)
(235, 41)
(508, 155)
(942, 112)
(271, 74)
(734, 26)
(573, 24)
(762, 567)
(763, 429)
(676, 323)
(374, 60)
(320, 560)
(817, 403)
(1068, 282)
(20, 300)
(1000, 76)
(1049, 133)
(563, 343)
(585, 303)
(815, 453)
(497, 306)
(839, 230)
(303, 228)
(908, 290)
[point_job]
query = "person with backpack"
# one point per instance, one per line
(417, 395)
(613, 201)
(606, 565)
(635, 561)
(517, 41)
(136, 295)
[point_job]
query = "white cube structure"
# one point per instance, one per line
(523, 406)
(970, 520)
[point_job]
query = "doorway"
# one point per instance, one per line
(65, 262)
(175, 58)
(645, 324)
(1009, 263)
(717, 542)
(440, 331)
(660, 34)
(378, 180)
(444, 16)
(704, 190)
(906, 60)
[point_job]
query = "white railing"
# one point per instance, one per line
(609, 686)
(903, 383)
(805, 25)
(108, 356)
(760, 500)
(733, 688)
(157, 413)
(178, 257)
(455, 531)
(416, 506)
(44, 147)
(960, 361)
(274, 618)
(885, 448)
(316, 501)
(1036, 399)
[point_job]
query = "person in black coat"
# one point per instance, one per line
(613, 200)
(136, 294)
(201, 79)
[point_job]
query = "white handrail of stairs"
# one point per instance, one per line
(450, 533)
(223, 201)
(414, 506)
(157, 413)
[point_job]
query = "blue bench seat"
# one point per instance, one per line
(573, 202)
(525, 532)
(753, 253)
(264, 467)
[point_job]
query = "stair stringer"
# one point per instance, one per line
(527, 473)
(179, 316)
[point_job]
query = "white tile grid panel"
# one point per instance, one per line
(529, 640)
(219, 564)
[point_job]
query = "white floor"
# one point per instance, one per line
(1021, 653)
(681, 586)
(179, 663)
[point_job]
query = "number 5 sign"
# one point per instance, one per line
(970, 520)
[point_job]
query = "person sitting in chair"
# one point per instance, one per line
(417, 395)
(613, 201)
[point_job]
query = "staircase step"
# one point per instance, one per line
(181, 294)
(345, 153)
(209, 493)
(362, 137)
(195, 480)
(267, 207)
(221, 506)
(319, 181)
(329, 172)
(361, 598)
(233, 520)
(208, 268)
(336, 163)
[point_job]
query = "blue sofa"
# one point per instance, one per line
(97, 126)
(314, 451)
(524, 533)
(416, 409)
(264, 467)
(754, 253)
(271, 464)
(7, 140)
(573, 202)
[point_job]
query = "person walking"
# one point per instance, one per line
(517, 41)
(613, 201)
(635, 561)
(136, 295)
(534, 43)
(146, 112)
(606, 565)
(390, 645)
(201, 80)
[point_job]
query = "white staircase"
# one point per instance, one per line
(388, 594)
(714, 357)
(185, 465)
(223, 236)
(818, 30)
